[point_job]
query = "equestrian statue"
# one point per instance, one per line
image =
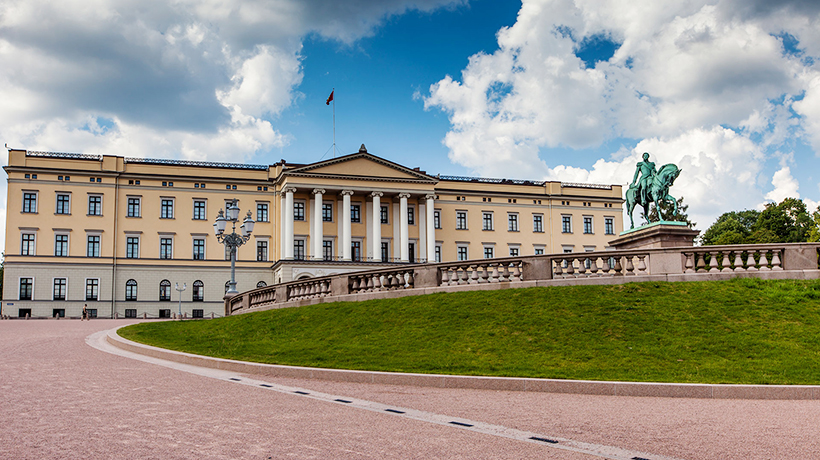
(652, 187)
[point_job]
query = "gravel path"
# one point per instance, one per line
(64, 399)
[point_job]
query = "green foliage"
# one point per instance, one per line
(740, 331)
(733, 227)
(666, 212)
(784, 222)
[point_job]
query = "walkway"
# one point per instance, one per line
(65, 399)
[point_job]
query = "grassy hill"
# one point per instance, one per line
(739, 331)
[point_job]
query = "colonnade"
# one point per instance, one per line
(317, 230)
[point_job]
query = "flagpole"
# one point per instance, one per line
(334, 122)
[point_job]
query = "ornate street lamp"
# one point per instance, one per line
(232, 240)
(180, 289)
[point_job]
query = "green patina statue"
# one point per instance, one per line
(652, 187)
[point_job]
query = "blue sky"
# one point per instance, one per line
(569, 90)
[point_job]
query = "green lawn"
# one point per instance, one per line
(739, 331)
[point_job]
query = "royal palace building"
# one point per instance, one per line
(122, 234)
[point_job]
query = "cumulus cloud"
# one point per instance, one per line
(711, 86)
(186, 73)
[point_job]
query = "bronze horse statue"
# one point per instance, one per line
(657, 193)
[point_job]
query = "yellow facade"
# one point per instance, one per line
(89, 228)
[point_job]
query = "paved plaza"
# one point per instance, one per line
(65, 394)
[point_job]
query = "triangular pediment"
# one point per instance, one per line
(361, 165)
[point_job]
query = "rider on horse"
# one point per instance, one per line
(647, 171)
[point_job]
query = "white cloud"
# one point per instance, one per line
(785, 186)
(710, 86)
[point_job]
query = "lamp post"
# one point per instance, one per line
(232, 240)
(180, 289)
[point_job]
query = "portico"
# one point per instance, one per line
(355, 210)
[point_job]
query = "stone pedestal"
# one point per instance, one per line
(656, 235)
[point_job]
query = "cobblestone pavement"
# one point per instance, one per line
(62, 398)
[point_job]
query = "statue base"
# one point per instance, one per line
(663, 234)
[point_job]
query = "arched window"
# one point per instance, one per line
(198, 292)
(131, 290)
(261, 284)
(165, 290)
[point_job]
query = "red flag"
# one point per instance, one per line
(330, 98)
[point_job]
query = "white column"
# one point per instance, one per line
(289, 191)
(346, 224)
(318, 230)
(405, 230)
(377, 226)
(431, 229)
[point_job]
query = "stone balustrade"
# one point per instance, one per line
(775, 261)
(484, 271)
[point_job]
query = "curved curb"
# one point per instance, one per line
(584, 387)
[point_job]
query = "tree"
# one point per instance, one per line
(666, 212)
(784, 222)
(734, 227)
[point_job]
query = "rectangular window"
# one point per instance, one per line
(93, 246)
(461, 220)
(385, 251)
(356, 250)
(298, 211)
(262, 250)
(130, 312)
(92, 289)
(59, 289)
(438, 253)
(27, 247)
(166, 208)
(199, 249)
(327, 250)
(383, 215)
(411, 216)
(63, 203)
(437, 219)
(327, 212)
(462, 252)
(609, 226)
(261, 212)
(355, 213)
(30, 202)
(487, 220)
(133, 207)
(61, 245)
(539, 251)
(538, 223)
(199, 210)
(166, 247)
(488, 252)
(566, 224)
(298, 249)
(26, 285)
(512, 222)
(132, 247)
(514, 252)
(94, 205)
(587, 224)
(197, 313)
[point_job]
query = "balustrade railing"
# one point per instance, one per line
(738, 259)
(672, 263)
(478, 272)
(385, 280)
(586, 265)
